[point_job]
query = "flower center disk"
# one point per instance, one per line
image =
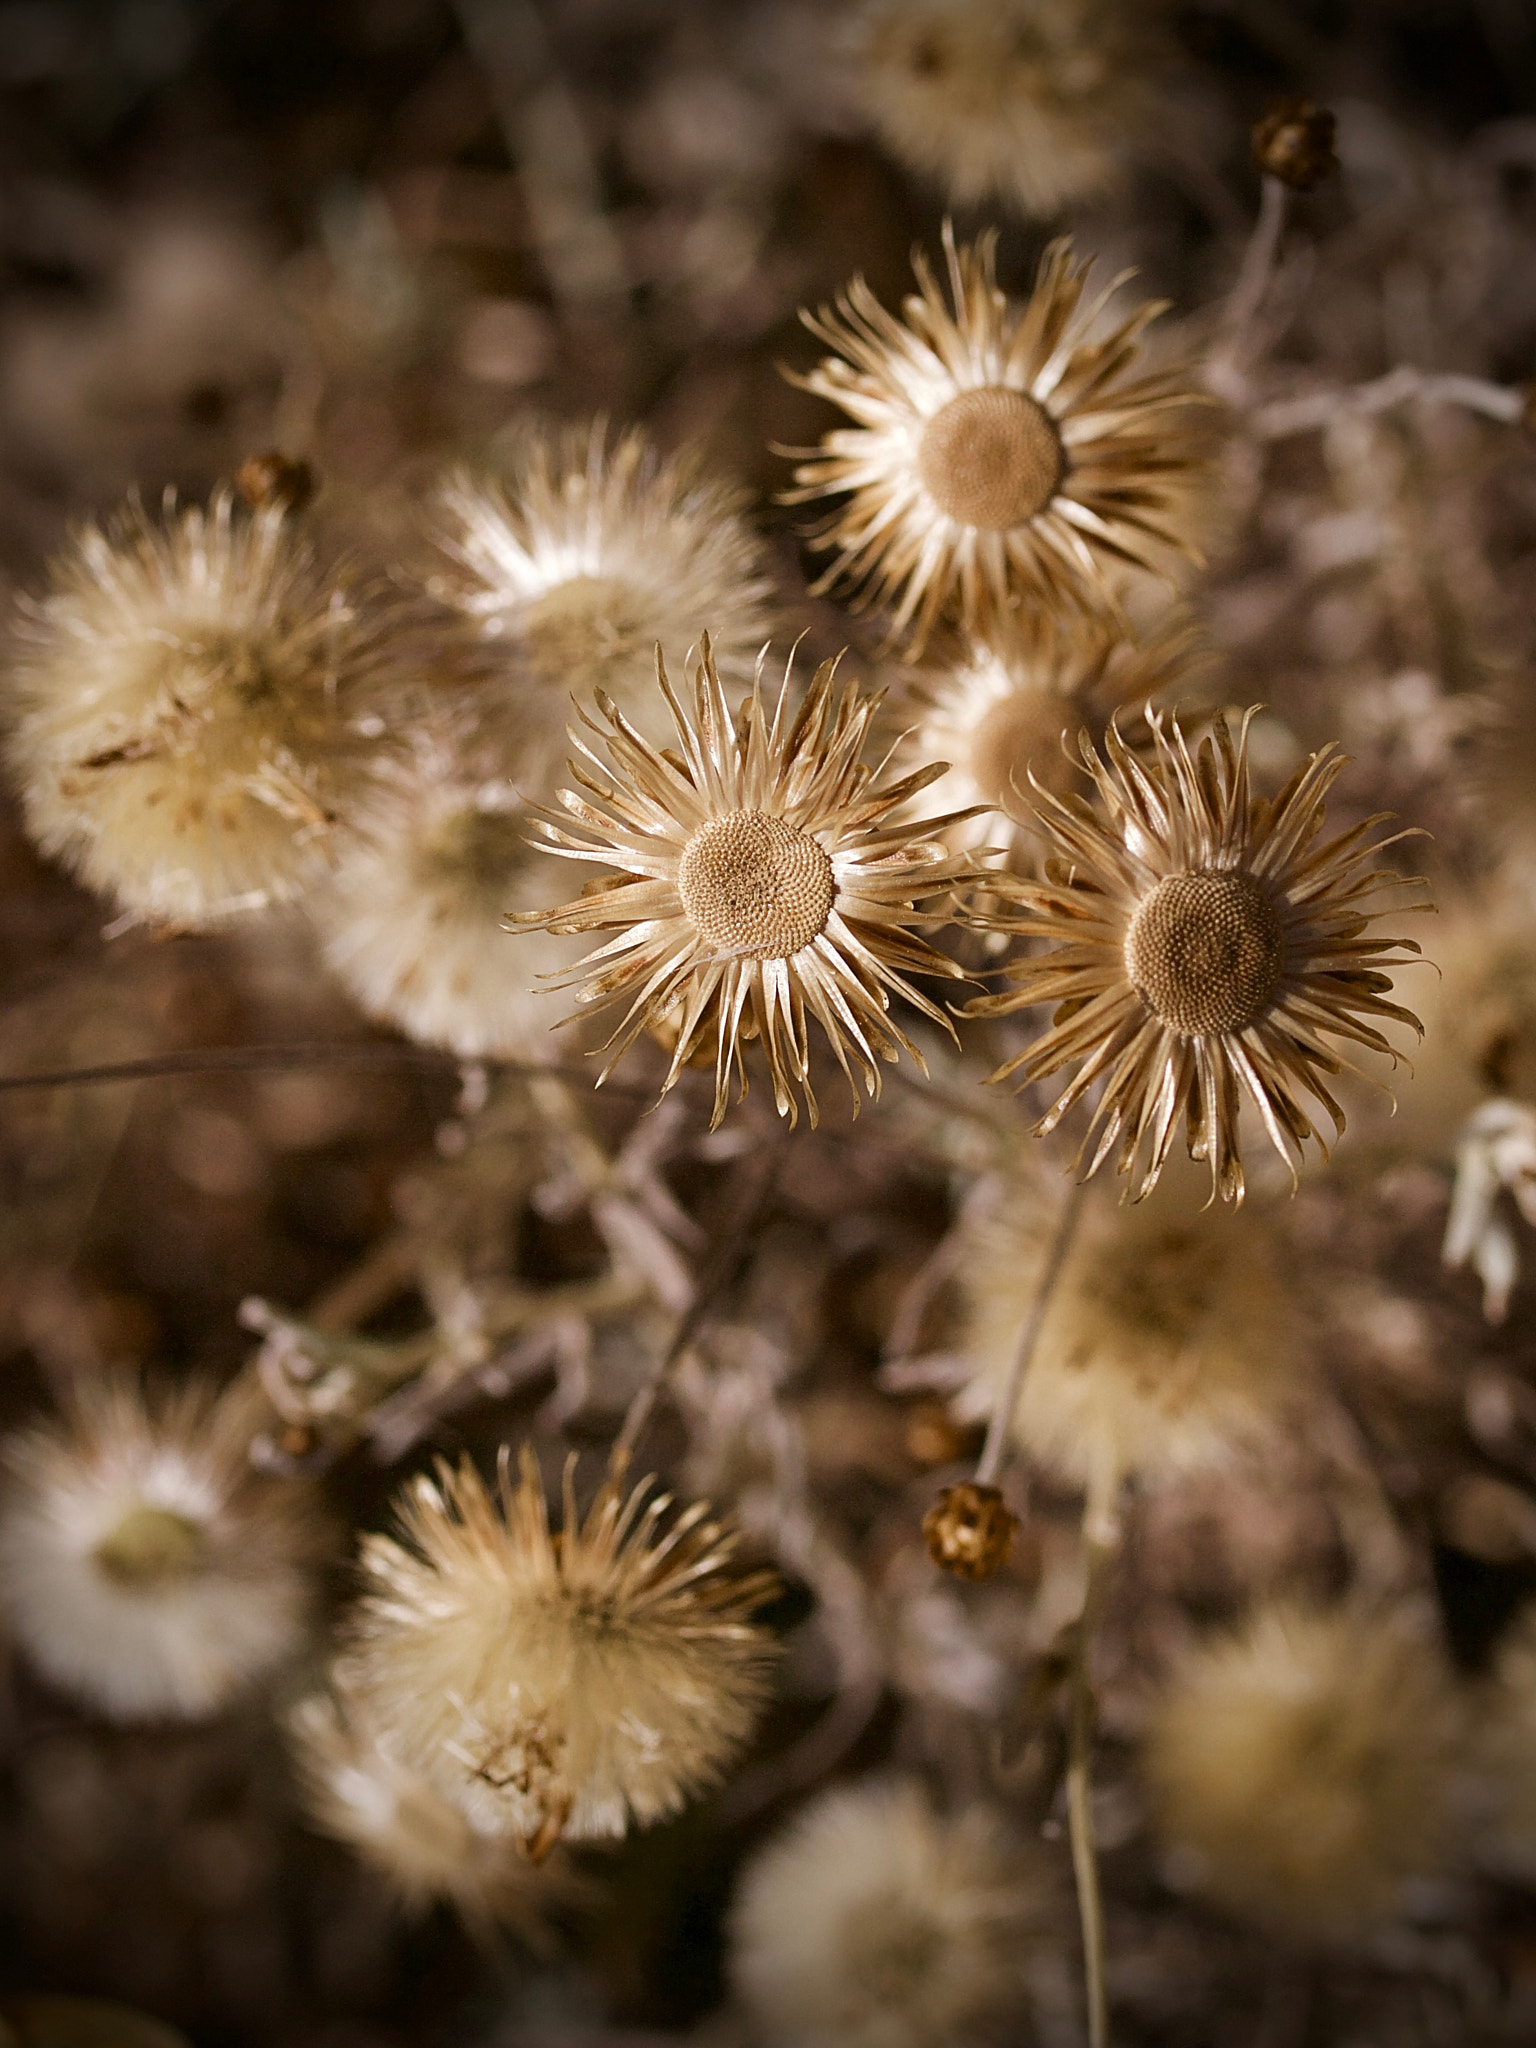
(755, 887)
(1205, 952)
(991, 458)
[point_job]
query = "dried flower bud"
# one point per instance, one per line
(276, 479)
(969, 1531)
(1293, 141)
(931, 1435)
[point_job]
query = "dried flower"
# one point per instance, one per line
(873, 1922)
(189, 710)
(564, 1684)
(143, 1564)
(969, 1531)
(358, 1791)
(1497, 1150)
(1025, 100)
(759, 879)
(431, 859)
(1299, 1770)
(1004, 455)
(1202, 941)
(1005, 714)
(1293, 141)
(585, 557)
(1172, 1338)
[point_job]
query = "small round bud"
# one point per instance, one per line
(1293, 141)
(276, 479)
(931, 1436)
(969, 1531)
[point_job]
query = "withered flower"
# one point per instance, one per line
(1293, 141)
(760, 878)
(557, 1684)
(1201, 944)
(969, 1531)
(1004, 454)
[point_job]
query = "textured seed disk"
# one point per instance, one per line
(991, 458)
(755, 887)
(1205, 952)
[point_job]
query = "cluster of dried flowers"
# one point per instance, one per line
(1032, 827)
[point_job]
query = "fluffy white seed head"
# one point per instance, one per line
(1300, 1770)
(557, 1684)
(875, 1922)
(584, 557)
(191, 700)
(427, 866)
(1172, 1340)
(143, 1565)
(1032, 101)
(358, 1791)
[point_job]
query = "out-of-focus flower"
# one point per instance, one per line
(760, 878)
(1032, 101)
(357, 1790)
(1172, 1338)
(1497, 1150)
(1299, 1770)
(143, 1564)
(565, 1684)
(431, 859)
(585, 558)
(1203, 945)
(1293, 141)
(874, 1922)
(969, 1531)
(191, 701)
(1005, 715)
(1005, 456)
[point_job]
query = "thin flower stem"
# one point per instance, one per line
(1314, 409)
(1258, 265)
(715, 1279)
(1224, 371)
(992, 1450)
(1101, 1540)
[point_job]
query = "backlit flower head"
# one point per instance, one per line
(358, 1791)
(585, 556)
(1005, 713)
(143, 1564)
(558, 1684)
(1202, 944)
(760, 881)
(428, 863)
(874, 1922)
(1031, 101)
(1299, 1770)
(1172, 1339)
(190, 702)
(1005, 456)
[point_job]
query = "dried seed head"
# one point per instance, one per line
(961, 498)
(1293, 141)
(991, 458)
(1205, 952)
(144, 1566)
(550, 1683)
(874, 1922)
(1299, 1770)
(969, 1531)
(755, 887)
